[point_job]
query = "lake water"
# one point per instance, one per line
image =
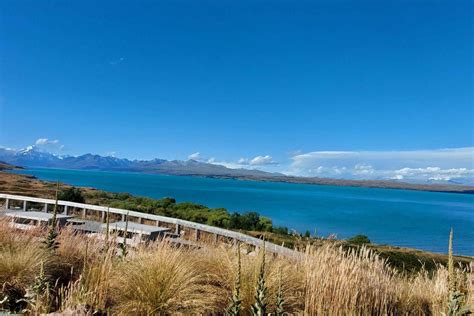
(398, 217)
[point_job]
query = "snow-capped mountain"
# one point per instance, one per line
(33, 157)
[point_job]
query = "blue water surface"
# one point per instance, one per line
(397, 217)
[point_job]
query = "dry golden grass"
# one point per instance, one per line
(20, 260)
(92, 288)
(353, 283)
(162, 279)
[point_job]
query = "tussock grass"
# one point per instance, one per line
(20, 260)
(86, 274)
(163, 280)
(340, 283)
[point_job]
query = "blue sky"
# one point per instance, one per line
(246, 83)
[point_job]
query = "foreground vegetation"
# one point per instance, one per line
(91, 276)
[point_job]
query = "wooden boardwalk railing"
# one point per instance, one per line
(178, 223)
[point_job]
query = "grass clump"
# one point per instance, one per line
(161, 281)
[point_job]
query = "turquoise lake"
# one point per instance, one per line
(397, 217)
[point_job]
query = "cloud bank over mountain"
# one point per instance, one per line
(454, 165)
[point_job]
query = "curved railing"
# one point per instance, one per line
(158, 218)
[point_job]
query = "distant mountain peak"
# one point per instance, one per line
(32, 157)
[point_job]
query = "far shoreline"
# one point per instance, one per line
(330, 182)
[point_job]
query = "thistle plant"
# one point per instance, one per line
(451, 274)
(236, 301)
(40, 284)
(50, 241)
(260, 306)
(37, 297)
(279, 299)
(457, 305)
(123, 246)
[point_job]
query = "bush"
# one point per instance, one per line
(71, 195)
(281, 230)
(359, 240)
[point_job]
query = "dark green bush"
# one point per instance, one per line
(71, 195)
(359, 240)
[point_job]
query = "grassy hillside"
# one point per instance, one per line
(404, 259)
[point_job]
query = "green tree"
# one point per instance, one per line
(359, 240)
(71, 194)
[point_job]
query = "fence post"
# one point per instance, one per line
(178, 229)
(197, 234)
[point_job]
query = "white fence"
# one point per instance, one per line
(102, 210)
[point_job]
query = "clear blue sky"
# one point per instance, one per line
(233, 79)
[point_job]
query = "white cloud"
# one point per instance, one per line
(48, 145)
(195, 156)
(45, 141)
(455, 164)
(362, 169)
(257, 161)
(262, 160)
(433, 173)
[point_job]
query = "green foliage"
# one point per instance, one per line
(280, 230)
(260, 306)
(219, 217)
(405, 261)
(37, 297)
(50, 241)
(457, 305)
(250, 221)
(359, 240)
(71, 194)
(236, 301)
(40, 285)
(307, 234)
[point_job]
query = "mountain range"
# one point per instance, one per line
(33, 158)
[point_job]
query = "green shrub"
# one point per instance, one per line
(71, 195)
(359, 240)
